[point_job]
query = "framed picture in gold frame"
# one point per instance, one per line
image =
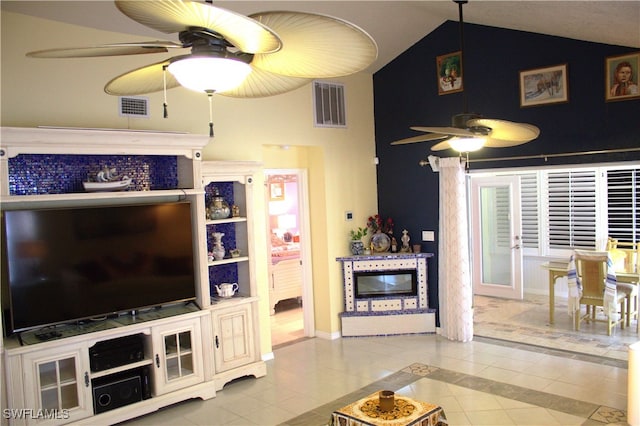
(541, 86)
(449, 68)
(621, 81)
(276, 191)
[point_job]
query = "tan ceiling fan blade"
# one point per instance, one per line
(441, 146)
(143, 80)
(420, 138)
(507, 130)
(107, 50)
(173, 16)
(261, 83)
(501, 143)
(315, 46)
(451, 131)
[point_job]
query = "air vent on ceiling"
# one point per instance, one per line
(137, 106)
(328, 104)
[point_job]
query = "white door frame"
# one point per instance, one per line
(513, 249)
(305, 245)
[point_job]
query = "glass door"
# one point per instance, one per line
(496, 233)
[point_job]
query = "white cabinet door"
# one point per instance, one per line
(233, 337)
(177, 356)
(57, 385)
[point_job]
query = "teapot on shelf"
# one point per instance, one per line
(226, 289)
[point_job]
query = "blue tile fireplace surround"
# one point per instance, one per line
(385, 294)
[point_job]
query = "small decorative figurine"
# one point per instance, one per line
(235, 211)
(405, 242)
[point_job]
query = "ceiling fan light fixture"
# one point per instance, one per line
(467, 144)
(209, 73)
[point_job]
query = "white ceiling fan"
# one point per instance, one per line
(263, 54)
(470, 131)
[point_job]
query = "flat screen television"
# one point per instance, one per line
(62, 265)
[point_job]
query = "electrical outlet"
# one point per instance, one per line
(348, 216)
(428, 236)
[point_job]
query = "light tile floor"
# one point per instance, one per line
(486, 381)
(287, 323)
(527, 321)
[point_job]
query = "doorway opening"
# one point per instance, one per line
(290, 293)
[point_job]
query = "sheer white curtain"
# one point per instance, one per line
(454, 283)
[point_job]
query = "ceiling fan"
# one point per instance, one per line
(263, 54)
(471, 131)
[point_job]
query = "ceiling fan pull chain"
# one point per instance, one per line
(164, 91)
(210, 94)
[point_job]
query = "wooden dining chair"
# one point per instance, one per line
(626, 258)
(591, 269)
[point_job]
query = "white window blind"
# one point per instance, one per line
(529, 194)
(572, 209)
(502, 218)
(563, 209)
(623, 204)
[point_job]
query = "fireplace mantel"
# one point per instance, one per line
(389, 314)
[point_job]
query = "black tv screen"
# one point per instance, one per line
(64, 265)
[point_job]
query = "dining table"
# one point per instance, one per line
(558, 269)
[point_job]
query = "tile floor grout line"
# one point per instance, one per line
(596, 359)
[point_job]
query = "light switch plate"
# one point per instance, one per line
(428, 236)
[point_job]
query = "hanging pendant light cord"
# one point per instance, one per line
(465, 105)
(210, 95)
(164, 81)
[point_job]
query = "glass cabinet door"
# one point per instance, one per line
(179, 356)
(60, 385)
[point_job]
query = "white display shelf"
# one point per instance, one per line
(228, 261)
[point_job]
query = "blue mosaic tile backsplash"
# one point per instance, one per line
(34, 174)
(221, 273)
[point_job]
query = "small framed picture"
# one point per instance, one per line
(543, 86)
(449, 68)
(622, 77)
(276, 191)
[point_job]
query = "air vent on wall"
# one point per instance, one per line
(328, 104)
(137, 106)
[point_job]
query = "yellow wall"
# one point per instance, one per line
(342, 176)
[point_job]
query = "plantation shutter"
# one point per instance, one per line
(502, 217)
(623, 204)
(529, 209)
(572, 209)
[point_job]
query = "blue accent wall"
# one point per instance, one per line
(406, 94)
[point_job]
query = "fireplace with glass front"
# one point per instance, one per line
(371, 284)
(386, 294)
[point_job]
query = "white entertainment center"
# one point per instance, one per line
(182, 350)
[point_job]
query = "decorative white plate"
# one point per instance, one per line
(381, 242)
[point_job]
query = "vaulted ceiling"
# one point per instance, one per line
(395, 25)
